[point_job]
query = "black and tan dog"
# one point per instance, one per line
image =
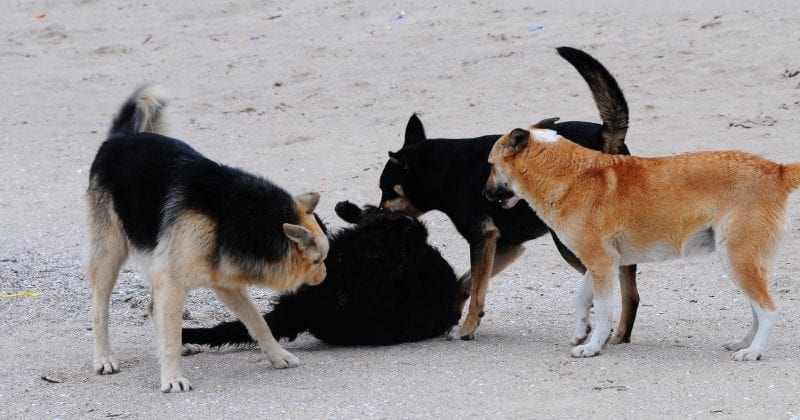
(449, 175)
(193, 223)
(385, 285)
(612, 210)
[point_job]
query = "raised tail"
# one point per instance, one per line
(607, 95)
(792, 174)
(285, 321)
(142, 112)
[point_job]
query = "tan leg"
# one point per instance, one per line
(630, 304)
(244, 308)
(503, 257)
(746, 257)
(168, 299)
(481, 263)
(108, 251)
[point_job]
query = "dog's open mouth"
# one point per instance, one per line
(509, 202)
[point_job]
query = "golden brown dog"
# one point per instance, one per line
(193, 223)
(613, 210)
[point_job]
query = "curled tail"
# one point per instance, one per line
(142, 112)
(607, 95)
(792, 174)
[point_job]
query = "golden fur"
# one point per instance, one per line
(182, 261)
(612, 209)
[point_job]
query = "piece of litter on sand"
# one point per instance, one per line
(24, 293)
(535, 28)
(41, 16)
(53, 379)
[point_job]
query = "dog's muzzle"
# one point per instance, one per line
(501, 194)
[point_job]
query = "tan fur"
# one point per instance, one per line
(183, 261)
(611, 210)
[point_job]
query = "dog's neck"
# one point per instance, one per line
(548, 171)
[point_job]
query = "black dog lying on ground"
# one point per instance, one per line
(450, 174)
(385, 285)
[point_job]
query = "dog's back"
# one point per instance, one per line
(195, 223)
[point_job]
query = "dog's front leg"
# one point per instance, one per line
(583, 305)
(481, 264)
(168, 299)
(504, 255)
(240, 303)
(602, 279)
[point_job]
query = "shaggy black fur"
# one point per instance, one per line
(385, 285)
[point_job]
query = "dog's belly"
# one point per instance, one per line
(700, 243)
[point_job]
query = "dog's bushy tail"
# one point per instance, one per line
(284, 322)
(142, 112)
(607, 95)
(792, 174)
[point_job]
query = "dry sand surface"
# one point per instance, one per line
(312, 96)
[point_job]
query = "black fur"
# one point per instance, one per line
(152, 178)
(385, 285)
(449, 175)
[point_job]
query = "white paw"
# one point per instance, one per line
(581, 332)
(735, 345)
(190, 349)
(176, 384)
(106, 365)
(453, 333)
(748, 354)
(585, 350)
(282, 359)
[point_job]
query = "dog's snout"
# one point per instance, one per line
(497, 192)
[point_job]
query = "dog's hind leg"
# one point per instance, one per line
(240, 303)
(108, 249)
(481, 263)
(169, 294)
(746, 254)
(630, 304)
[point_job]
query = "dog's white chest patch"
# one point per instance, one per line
(545, 135)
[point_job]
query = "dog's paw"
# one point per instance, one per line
(585, 350)
(106, 365)
(748, 354)
(176, 384)
(618, 338)
(456, 333)
(282, 359)
(189, 349)
(581, 332)
(735, 345)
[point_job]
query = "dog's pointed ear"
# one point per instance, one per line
(309, 201)
(415, 132)
(548, 123)
(398, 160)
(298, 235)
(348, 212)
(516, 141)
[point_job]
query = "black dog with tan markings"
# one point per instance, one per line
(193, 223)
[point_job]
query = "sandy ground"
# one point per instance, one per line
(313, 97)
